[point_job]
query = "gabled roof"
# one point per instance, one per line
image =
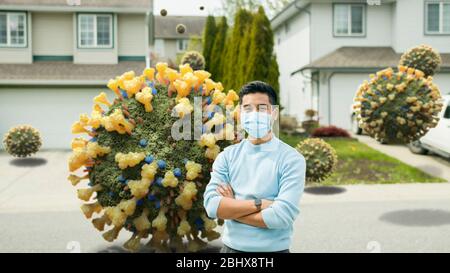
(65, 73)
(297, 6)
(165, 26)
(370, 58)
(98, 5)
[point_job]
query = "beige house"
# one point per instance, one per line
(169, 44)
(55, 56)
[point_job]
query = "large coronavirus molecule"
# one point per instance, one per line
(132, 169)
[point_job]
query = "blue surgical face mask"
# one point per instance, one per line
(256, 124)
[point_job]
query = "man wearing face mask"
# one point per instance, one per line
(256, 185)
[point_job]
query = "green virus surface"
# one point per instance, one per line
(320, 157)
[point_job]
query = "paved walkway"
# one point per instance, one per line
(431, 164)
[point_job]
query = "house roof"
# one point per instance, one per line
(97, 5)
(165, 26)
(296, 6)
(65, 73)
(370, 58)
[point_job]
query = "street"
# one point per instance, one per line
(39, 212)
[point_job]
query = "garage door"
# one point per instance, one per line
(343, 90)
(51, 110)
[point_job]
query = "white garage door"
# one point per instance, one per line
(51, 110)
(343, 89)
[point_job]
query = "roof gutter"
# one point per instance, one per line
(289, 11)
(22, 82)
(353, 69)
(75, 8)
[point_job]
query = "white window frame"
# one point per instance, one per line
(349, 21)
(95, 45)
(182, 41)
(8, 30)
(441, 18)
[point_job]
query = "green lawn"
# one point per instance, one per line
(360, 164)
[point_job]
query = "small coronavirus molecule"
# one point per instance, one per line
(320, 157)
(137, 175)
(194, 59)
(22, 141)
(423, 58)
(181, 29)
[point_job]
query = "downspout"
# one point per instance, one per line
(151, 35)
(329, 97)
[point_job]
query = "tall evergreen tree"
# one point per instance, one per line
(230, 7)
(209, 36)
(242, 63)
(233, 46)
(273, 77)
(261, 63)
(217, 54)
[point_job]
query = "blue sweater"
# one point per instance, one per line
(272, 170)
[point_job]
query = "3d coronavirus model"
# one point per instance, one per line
(22, 141)
(400, 106)
(145, 179)
(320, 157)
(180, 28)
(423, 58)
(194, 59)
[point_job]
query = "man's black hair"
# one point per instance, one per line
(258, 87)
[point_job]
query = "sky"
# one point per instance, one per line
(188, 7)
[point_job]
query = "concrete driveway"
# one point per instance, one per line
(39, 212)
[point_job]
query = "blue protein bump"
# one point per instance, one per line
(124, 94)
(159, 181)
(122, 179)
(177, 172)
(148, 159)
(161, 164)
(143, 143)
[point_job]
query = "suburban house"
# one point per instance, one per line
(56, 55)
(169, 45)
(326, 48)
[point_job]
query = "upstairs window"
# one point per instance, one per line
(349, 19)
(13, 29)
(437, 19)
(95, 31)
